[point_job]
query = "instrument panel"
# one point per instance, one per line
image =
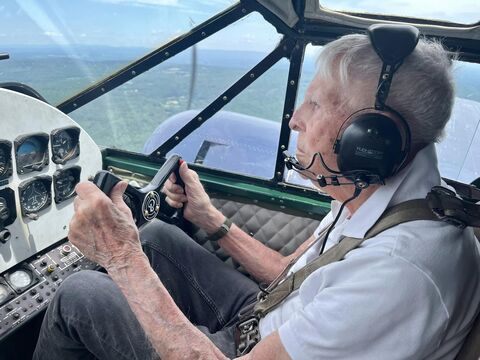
(40, 164)
(43, 155)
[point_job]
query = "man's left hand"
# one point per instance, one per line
(103, 228)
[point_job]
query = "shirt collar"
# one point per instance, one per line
(413, 182)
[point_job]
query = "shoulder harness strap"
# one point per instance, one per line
(401, 213)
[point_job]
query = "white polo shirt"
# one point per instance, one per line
(411, 292)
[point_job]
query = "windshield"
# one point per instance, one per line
(461, 11)
(79, 42)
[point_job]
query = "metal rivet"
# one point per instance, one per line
(292, 82)
(252, 75)
(385, 76)
(287, 116)
(177, 138)
(285, 47)
(224, 98)
(158, 153)
(134, 73)
(102, 89)
(204, 33)
(279, 173)
(282, 147)
(244, 10)
(74, 104)
(167, 53)
(200, 118)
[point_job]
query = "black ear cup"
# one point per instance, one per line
(372, 142)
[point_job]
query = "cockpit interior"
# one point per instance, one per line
(71, 108)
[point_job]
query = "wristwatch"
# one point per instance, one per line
(221, 231)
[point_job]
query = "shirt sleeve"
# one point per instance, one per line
(369, 307)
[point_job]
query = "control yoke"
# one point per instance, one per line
(148, 202)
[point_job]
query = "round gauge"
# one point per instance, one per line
(20, 279)
(30, 152)
(65, 184)
(34, 196)
(63, 145)
(3, 162)
(4, 293)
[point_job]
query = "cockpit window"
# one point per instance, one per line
(142, 113)
(458, 152)
(60, 47)
(461, 11)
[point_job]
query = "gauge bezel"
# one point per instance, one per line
(26, 268)
(9, 195)
(38, 166)
(76, 171)
(48, 184)
(74, 132)
(7, 148)
(11, 294)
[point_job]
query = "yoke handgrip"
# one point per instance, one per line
(147, 203)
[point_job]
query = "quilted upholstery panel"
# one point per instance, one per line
(279, 231)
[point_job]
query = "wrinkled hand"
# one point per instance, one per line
(198, 208)
(102, 227)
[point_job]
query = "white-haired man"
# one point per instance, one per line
(410, 292)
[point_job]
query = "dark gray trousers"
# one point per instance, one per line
(89, 318)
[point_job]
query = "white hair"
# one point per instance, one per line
(422, 89)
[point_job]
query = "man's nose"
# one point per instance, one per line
(295, 122)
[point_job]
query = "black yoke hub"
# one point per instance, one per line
(147, 203)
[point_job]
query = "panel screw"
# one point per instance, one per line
(74, 104)
(177, 138)
(102, 89)
(287, 116)
(244, 10)
(134, 73)
(167, 54)
(292, 82)
(279, 173)
(200, 118)
(158, 153)
(282, 147)
(252, 75)
(225, 98)
(204, 34)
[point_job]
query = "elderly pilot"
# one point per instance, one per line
(410, 292)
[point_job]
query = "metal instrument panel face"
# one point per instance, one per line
(40, 164)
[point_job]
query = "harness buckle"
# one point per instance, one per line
(248, 335)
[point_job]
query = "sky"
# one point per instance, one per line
(149, 23)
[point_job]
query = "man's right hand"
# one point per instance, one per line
(198, 208)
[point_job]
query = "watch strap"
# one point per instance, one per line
(221, 231)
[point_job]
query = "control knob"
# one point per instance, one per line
(4, 215)
(4, 211)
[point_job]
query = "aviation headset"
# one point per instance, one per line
(373, 143)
